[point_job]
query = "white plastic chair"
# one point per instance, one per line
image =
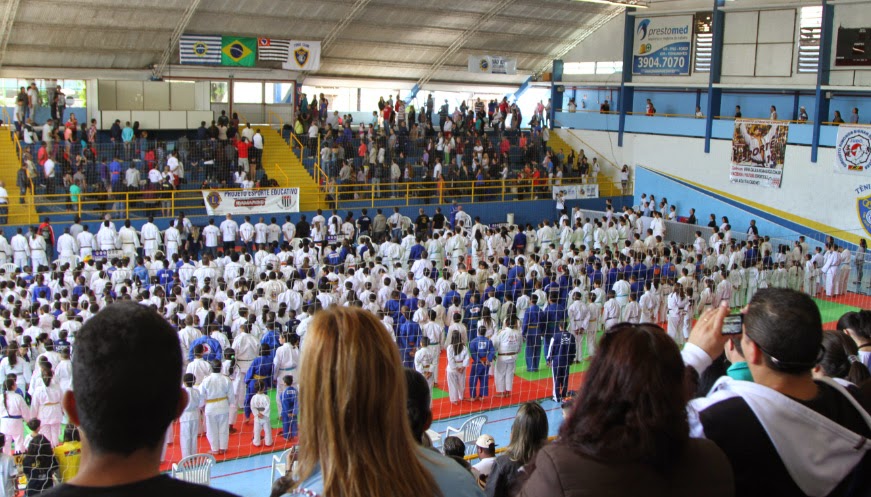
(468, 432)
(279, 464)
(9, 268)
(194, 469)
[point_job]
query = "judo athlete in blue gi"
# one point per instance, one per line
(261, 369)
(289, 409)
(560, 353)
(481, 352)
(407, 338)
(532, 328)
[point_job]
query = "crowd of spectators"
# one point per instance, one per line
(74, 160)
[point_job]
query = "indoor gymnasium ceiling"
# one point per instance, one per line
(401, 39)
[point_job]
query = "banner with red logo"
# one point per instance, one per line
(241, 202)
(853, 150)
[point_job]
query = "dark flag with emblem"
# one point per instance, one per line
(272, 49)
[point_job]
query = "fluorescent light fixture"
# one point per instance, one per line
(617, 3)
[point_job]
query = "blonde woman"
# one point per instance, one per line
(355, 436)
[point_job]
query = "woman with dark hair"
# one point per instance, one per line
(627, 433)
(840, 360)
(528, 435)
(857, 325)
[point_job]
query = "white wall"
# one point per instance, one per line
(605, 44)
(810, 191)
(579, 140)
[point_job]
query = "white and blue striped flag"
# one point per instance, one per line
(200, 49)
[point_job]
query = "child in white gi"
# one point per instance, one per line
(260, 406)
(189, 422)
(8, 473)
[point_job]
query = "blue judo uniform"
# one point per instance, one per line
(481, 352)
(261, 369)
(559, 355)
(407, 338)
(531, 330)
(289, 413)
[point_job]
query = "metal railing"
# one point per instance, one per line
(140, 204)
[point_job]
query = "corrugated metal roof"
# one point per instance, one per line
(389, 38)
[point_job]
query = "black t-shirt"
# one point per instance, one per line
(161, 485)
(757, 467)
(422, 222)
(364, 222)
(438, 221)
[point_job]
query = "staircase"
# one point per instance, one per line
(608, 187)
(281, 164)
(10, 163)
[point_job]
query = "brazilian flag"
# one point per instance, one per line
(238, 51)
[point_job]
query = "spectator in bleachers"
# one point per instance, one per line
(127, 139)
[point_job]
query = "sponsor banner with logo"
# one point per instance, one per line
(576, 192)
(663, 46)
(303, 56)
(492, 64)
(853, 150)
(758, 150)
(242, 202)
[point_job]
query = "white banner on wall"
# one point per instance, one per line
(576, 192)
(663, 46)
(492, 64)
(853, 150)
(241, 202)
(758, 150)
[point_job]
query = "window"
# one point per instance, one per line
(609, 67)
(809, 38)
(704, 42)
(247, 93)
(278, 93)
(218, 92)
(579, 68)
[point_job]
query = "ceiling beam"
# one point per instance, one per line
(25, 26)
(174, 38)
(6, 26)
(436, 48)
(461, 40)
(352, 14)
(15, 47)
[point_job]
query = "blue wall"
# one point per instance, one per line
(531, 212)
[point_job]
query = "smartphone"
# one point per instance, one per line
(733, 324)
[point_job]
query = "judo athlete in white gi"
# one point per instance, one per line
(189, 422)
(261, 409)
(458, 360)
(507, 344)
(13, 412)
(425, 362)
(46, 406)
(218, 396)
